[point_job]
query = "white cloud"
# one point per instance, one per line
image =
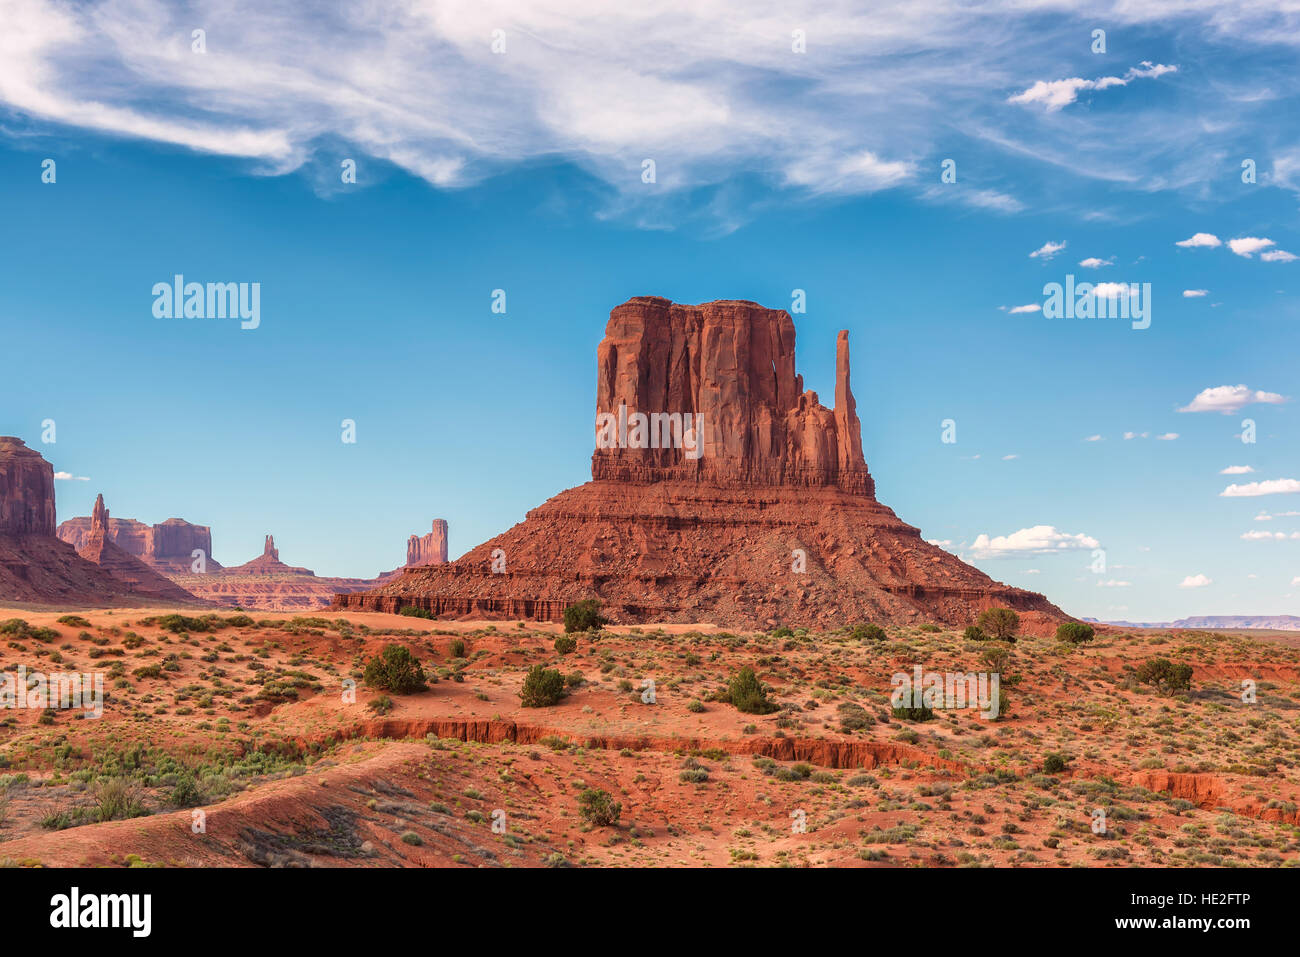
(1112, 583)
(1093, 438)
(1114, 290)
(1195, 581)
(1038, 540)
(1255, 489)
(1206, 240)
(1247, 246)
(1058, 94)
(1092, 262)
(1278, 256)
(1229, 399)
(1295, 581)
(1167, 437)
(1136, 435)
(1008, 458)
(1048, 250)
(1236, 470)
(1255, 535)
(1032, 571)
(1031, 307)
(1195, 293)
(66, 476)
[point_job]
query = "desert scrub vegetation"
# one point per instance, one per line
(17, 628)
(395, 669)
(410, 611)
(565, 644)
(598, 808)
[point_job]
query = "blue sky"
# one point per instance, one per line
(775, 171)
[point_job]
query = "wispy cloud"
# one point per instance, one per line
(1196, 581)
(1195, 293)
(1057, 94)
(1287, 486)
(69, 477)
(1047, 250)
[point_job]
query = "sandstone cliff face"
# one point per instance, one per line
(26, 490)
(36, 567)
(428, 549)
(731, 363)
(775, 521)
(135, 577)
(167, 547)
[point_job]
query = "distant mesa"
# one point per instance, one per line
(762, 511)
(268, 563)
(135, 575)
(35, 566)
(167, 547)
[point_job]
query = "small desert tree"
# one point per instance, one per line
(542, 688)
(746, 693)
(395, 669)
(1165, 675)
(583, 615)
(1075, 632)
(1000, 623)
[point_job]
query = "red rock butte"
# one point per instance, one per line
(761, 511)
(35, 566)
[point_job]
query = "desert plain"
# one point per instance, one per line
(230, 739)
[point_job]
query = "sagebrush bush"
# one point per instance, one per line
(565, 644)
(598, 808)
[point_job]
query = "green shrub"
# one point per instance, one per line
(542, 688)
(782, 632)
(395, 669)
(868, 633)
(410, 611)
(1001, 623)
(598, 808)
(695, 706)
(381, 705)
(1165, 675)
(973, 633)
(74, 621)
(117, 799)
(747, 695)
(1075, 632)
(186, 793)
(565, 644)
(909, 713)
(583, 615)
(1053, 763)
(456, 648)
